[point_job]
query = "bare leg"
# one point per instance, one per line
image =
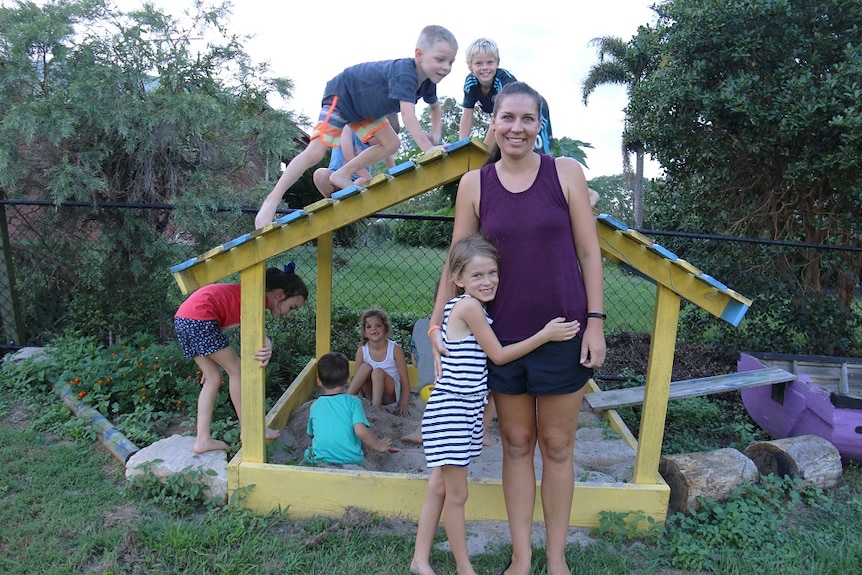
(429, 519)
(388, 144)
(415, 437)
(558, 423)
(378, 382)
(321, 182)
(455, 480)
(233, 367)
(312, 154)
(517, 417)
(210, 383)
(361, 381)
(490, 414)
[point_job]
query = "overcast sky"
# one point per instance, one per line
(542, 43)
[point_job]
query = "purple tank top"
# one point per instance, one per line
(539, 274)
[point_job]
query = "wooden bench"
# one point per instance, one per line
(616, 398)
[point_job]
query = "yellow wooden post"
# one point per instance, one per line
(253, 281)
(657, 388)
(324, 293)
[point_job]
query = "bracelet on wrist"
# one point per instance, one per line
(432, 328)
(596, 315)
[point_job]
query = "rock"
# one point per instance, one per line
(37, 353)
(174, 456)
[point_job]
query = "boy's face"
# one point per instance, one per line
(436, 62)
(484, 67)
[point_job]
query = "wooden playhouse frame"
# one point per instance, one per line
(306, 491)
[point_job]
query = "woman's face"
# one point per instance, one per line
(516, 123)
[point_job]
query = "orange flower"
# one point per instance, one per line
(75, 381)
(143, 398)
(82, 395)
(100, 382)
(108, 380)
(179, 402)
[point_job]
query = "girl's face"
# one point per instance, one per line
(484, 67)
(374, 329)
(479, 278)
(285, 306)
(516, 123)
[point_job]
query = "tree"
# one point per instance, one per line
(756, 116)
(619, 64)
(615, 197)
(101, 106)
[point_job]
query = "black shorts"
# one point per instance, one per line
(552, 369)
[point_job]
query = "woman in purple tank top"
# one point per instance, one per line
(536, 209)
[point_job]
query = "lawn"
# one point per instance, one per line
(67, 509)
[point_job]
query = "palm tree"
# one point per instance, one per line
(615, 66)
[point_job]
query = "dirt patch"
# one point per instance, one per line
(628, 353)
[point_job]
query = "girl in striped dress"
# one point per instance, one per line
(452, 425)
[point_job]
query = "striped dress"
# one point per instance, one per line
(453, 419)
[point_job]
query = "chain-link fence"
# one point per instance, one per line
(65, 269)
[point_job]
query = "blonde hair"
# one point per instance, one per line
(374, 312)
(483, 46)
(466, 250)
(432, 34)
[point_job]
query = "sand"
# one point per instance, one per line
(600, 454)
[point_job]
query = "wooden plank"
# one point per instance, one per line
(616, 398)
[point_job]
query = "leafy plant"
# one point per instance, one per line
(178, 492)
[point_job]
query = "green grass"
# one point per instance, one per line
(401, 280)
(65, 508)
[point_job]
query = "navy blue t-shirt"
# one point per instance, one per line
(375, 89)
(473, 95)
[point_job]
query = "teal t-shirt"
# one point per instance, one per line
(330, 424)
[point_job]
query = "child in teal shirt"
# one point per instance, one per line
(336, 422)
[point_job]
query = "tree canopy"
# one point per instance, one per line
(754, 111)
(101, 105)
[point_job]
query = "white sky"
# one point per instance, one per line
(546, 46)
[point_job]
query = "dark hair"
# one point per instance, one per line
(288, 281)
(333, 370)
(513, 89)
(374, 312)
(463, 252)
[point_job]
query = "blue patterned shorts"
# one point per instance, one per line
(199, 338)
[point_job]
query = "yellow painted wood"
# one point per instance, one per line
(319, 205)
(328, 492)
(293, 397)
(278, 239)
(614, 420)
(323, 326)
(638, 237)
(659, 367)
(308, 491)
(617, 247)
(429, 156)
(253, 282)
(378, 179)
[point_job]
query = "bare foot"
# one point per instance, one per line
(418, 569)
(415, 437)
(272, 433)
(210, 444)
(341, 181)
